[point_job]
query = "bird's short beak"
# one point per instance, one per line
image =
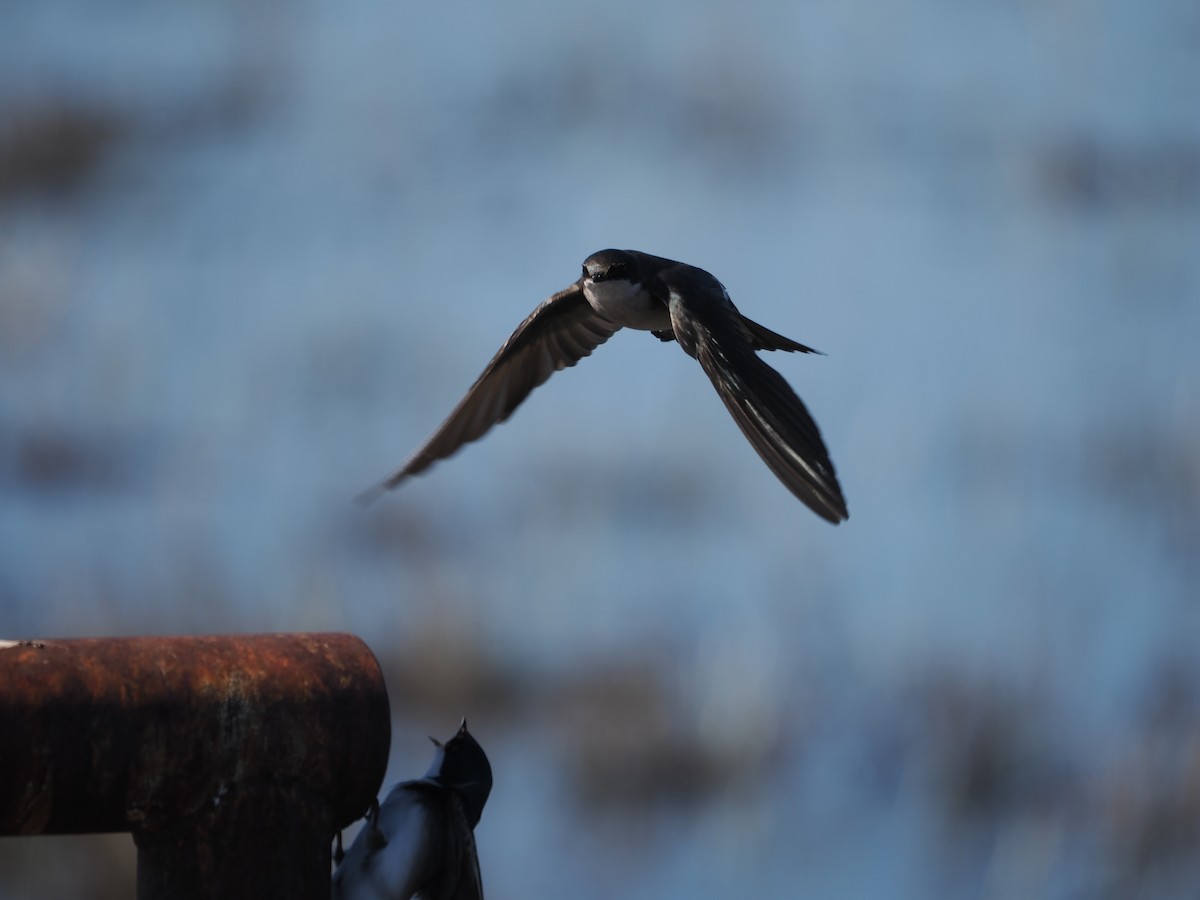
(436, 742)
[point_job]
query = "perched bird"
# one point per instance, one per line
(673, 301)
(421, 841)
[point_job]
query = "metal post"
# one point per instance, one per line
(231, 759)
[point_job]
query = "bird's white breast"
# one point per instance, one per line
(627, 305)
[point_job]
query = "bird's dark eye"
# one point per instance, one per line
(607, 273)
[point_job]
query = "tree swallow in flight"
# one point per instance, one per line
(673, 301)
(421, 841)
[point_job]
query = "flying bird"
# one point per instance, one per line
(421, 841)
(674, 302)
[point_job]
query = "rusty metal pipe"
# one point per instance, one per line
(231, 759)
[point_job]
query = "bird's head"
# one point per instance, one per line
(461, 765)
(610, 265)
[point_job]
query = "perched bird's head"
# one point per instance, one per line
(610, 265)
(462, 766)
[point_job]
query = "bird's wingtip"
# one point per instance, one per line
(371, 494)
(832, 510)
(377, 490)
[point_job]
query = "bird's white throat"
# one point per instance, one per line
(627, 305)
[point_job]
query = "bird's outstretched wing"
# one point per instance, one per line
(767, 410)
(560, 332)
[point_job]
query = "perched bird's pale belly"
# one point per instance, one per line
(629, 309)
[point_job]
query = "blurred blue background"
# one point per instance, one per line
(252, 253)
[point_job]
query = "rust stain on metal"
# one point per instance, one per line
(117, 734)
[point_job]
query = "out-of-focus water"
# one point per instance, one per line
(281, 242)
